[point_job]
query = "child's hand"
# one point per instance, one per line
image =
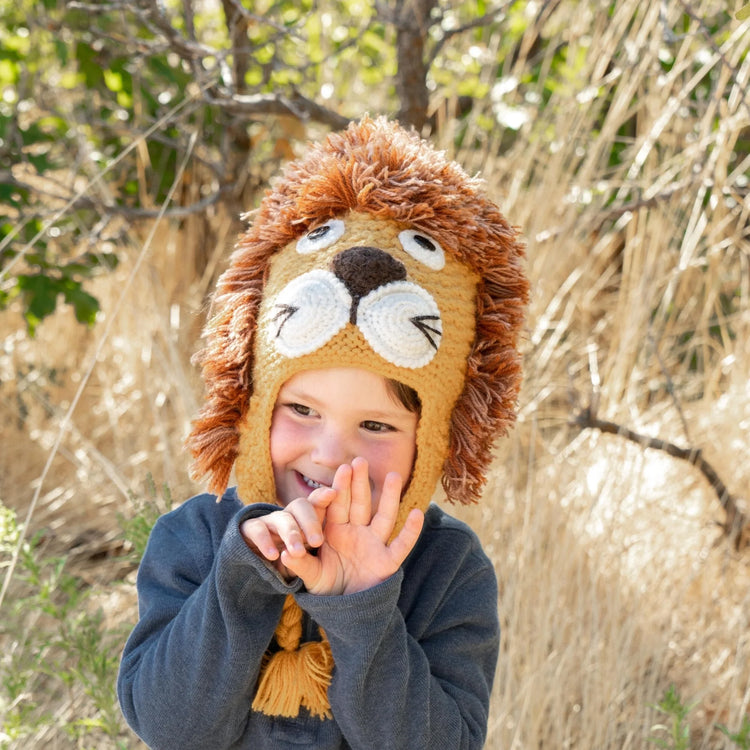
(355, 554)
(292, 529)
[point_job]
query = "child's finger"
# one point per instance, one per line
(279, 529)
(306, 567)
(258, 537)
(390, 498)
(338, 510)
(290, 533)
(308, 520)
(405, 540)
(360, 508)
(322, 497)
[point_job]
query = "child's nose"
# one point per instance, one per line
(331, 448)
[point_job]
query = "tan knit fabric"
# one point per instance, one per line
(438, 383)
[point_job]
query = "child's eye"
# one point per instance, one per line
(301, 410)
(372, 426)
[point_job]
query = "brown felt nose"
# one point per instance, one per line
(363, 268)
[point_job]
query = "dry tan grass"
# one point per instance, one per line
(615, 581)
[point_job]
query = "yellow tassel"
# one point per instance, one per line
(318, 667)
(297, 675)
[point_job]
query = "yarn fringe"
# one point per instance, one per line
(297, 676)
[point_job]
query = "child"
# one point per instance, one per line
(363, 348)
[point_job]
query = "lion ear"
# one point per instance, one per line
(227, 366)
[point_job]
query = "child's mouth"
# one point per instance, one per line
(311, 483)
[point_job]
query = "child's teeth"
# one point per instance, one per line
(312, 483)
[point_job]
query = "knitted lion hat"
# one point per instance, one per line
(372, 251)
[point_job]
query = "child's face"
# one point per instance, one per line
(325, 418)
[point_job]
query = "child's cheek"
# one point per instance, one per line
(397, 456)
(285, 437)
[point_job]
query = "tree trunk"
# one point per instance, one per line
(412, 21)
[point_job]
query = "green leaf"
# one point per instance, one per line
(53, 125)
(86, 307)
(35, 133)
(112, 80)
(40, 297)
(740, 738)
(8, 71)
(89, 65)
(42, 162)
(15, 196)
(85, 264)
(61, 50)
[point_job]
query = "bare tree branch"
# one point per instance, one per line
(295, 104)
(637, 204)
(229, 94)
(736, 525)
(187, 9)
(263, 19)
(152, 15)
(113, 209)
(237, 25)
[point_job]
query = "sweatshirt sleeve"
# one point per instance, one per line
(416, 656)
(208, 610)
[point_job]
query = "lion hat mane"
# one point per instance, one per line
(377, 169)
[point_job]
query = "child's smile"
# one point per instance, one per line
(325, 418)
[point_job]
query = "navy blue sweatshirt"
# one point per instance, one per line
(414, 656)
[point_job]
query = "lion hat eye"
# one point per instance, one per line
(423, 248)
(321, 237)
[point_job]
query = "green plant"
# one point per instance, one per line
(677, 730)
(740, 738)
(102, 101)
(146, 510)
(57, 648)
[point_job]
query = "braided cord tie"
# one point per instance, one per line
(297, 675)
